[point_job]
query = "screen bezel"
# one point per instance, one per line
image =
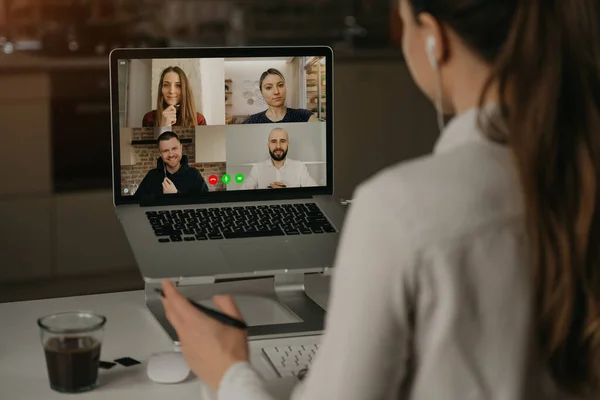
(233, 52)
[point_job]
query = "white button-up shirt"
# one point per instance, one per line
(431, 293)
(292, 174)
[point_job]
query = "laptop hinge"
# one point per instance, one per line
(284, 283)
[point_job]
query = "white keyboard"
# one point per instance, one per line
(290, 360)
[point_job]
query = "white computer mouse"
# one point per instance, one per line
(167, 367)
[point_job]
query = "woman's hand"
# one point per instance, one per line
(169, 116)
(208, 346)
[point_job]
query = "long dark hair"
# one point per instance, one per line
(186, 115)
(545, 57)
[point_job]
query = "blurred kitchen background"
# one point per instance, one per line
(59, 234)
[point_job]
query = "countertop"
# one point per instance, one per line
(131, 331)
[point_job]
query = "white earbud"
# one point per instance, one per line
(430, 49)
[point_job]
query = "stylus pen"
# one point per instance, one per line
(219, 316)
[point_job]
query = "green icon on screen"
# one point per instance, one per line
(226, 178)
(239, 178)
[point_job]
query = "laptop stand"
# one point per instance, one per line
(288, 290)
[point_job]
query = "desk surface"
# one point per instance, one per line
(131, 330)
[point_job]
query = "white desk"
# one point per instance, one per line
(130, 331)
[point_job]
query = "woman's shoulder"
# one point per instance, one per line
(299, 114)
(257, 118)
(200, 119)
(446, 195)
(149, 118)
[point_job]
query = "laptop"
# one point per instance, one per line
(223, 161)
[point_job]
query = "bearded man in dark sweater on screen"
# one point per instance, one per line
(172, 173)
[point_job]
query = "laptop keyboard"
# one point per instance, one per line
(290, 360)
(238, 222)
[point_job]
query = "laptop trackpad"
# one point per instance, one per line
(260, 257)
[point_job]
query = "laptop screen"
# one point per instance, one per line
(212, 123)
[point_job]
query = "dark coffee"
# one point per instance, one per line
(72, 363)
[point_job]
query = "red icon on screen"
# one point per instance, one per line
(213, 179)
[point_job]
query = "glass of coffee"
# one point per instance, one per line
(72, 342)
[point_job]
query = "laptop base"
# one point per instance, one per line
(296, 314)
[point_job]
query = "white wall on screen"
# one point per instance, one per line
(213, 90)
(139, 93)
(210, 143)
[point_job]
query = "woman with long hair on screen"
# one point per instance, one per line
(175, 104)
(473, 272)
(274, 91)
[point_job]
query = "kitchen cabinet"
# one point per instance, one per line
(88, 236)
(25, 134)
(81, 130)
(26, 243)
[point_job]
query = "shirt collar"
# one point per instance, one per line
(270, 162)
(465, 127)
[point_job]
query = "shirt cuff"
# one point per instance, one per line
(241, 381)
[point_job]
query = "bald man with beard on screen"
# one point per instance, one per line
(278, 171)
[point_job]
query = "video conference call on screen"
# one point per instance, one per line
(191, 126)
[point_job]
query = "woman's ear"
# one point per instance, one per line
(436, 46)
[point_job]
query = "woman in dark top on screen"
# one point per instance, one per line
(175, 105)
(272, 88)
